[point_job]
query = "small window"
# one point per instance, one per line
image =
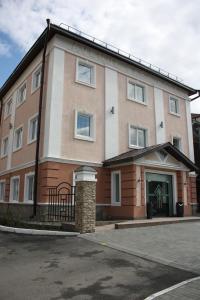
(14, 189)
(116, 187)
(4, 149)
(136, 92)
(29, 187)
(84, 126)
(2, 190)
(18, 138)
(173, 105)
(8, 108)
(32, 131)
(21, 95)
(85, 73)
(36, 79)
(177, 142)
(137, 137)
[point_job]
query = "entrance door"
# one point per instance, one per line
(159, 193)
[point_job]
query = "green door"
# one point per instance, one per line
(159, 193)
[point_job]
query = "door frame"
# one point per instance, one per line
(174, 186)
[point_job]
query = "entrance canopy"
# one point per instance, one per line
(162, 149)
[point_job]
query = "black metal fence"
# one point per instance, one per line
(62, 203)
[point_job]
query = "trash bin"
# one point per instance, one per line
(180, 209)
(149, 210)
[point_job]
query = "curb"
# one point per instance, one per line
(37, 231)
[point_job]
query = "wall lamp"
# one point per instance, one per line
(161, 124)
(112, 110)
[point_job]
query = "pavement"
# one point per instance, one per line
(46, 267)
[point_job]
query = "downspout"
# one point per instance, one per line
(198, 91)
(37, 153)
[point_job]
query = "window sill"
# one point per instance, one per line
(31, 142)
(33, 90)
(137, 101)
(17, 149)
(116, 204)
(4, 156)
(86, 84)
(20, 104)
(14, 201)
(7, 116)
(174, 114)
(136, 147)
(84, 138)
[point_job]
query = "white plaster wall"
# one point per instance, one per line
(159, 116)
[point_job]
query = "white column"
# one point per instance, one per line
(111, 119)
(11, 132)
(189, 130)
(159, 116)
(54, 104)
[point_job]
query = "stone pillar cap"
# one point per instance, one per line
(85, 169)
(85, 173)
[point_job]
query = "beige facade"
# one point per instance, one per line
(112, 113)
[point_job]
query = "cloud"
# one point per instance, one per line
(165, 33)
(5, 49)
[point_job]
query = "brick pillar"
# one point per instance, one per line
(85, 205)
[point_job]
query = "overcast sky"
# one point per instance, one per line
(163, 32)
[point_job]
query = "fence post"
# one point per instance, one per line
(85, 204)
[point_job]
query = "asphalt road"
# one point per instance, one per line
(33, 267)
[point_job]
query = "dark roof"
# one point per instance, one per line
(54, 29)
(194, 116)
(134, 154)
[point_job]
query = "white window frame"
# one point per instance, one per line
(130, 81)
(113, 199)
(18, 92)
(93, 72)
(11, 189)
(90, 138)
(6, 114)
(129, 136)
(180, 141)
(26, 187)
(2, 146)
(4, 182)
(14, 140)
(178, 106)
(33, 87)
(29, 141)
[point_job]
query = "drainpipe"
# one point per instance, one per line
(198, 91)
(39, 122)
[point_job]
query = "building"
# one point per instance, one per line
(100, 108)
(196, 139)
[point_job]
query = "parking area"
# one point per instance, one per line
(55, 268)
(174, 244)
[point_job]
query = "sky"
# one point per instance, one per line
(165, 33)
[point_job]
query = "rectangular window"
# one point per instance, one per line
(4, 149)
(116, 187)
(177, 142)
(21, 95)
(8, 108)
(36, 79)
(32, 131)
(137, 137)
(2, 190)
(14, 189)
(174, 105)
(85, 73)
(136, 92)
(84, 126)
(29, 187)
(18, 138)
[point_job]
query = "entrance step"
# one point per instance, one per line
(154, 222)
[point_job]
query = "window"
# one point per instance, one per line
(85, 73)
(29, 187)
(116, 187)
(2, 190)
(14, 189)
(173, 105)
(84, 128)
(177, 142)
(36, 79)
(4, 149)
(8, 108)
(137, 137)
(32, 131)
(136, 92)
(18, 138)
(21, 95)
